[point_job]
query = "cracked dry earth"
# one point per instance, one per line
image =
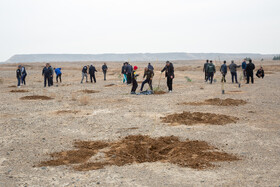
(88, 134)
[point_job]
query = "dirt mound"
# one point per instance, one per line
(109, 85)
(89, 91)
(139, 149)
(18, 91)
(67, 112)
(188, 118)
(36, 97)
(159, 92)
(219, 102)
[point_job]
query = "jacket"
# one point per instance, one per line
(134, 75)
(169, 70)
(232, 67)
(92, 70)
(84, 70)
(250, 68)
(128, 69)
(211, 68)
(150, 67)
(57, 71)
(244, 65)
(23, 71)
(205, 67)
(224, 68)
(123, 69)
(46, 71)
(18, 73)
(149, 74)
(104, 68)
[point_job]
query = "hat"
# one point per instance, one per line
(135, 68)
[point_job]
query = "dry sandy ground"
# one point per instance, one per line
(32, 129)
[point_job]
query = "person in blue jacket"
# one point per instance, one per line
(244, 65)
(58, 73)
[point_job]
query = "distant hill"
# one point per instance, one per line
(131, 57)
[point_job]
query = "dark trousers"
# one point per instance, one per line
(149, 81)
(234, 76)
(128, 76)
(92, 76)
(58, 76)
(224, 77)
(134, 85)
(104, 72)
(51, 80)
(169, 83)
(210, 77)
(248, 77)
(47, 78)
(23, 79)
(18, 80)
(206, 76)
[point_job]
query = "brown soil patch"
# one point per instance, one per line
(36, 97)
(234, 92)
(188, 118)
(18, 91)
(109, 85)
(140, 149)
(13, 86)
(159, 92)
(89, 91)
(67, 112)
(218, 102)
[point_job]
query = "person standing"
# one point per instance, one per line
(23, 75)
(169, 74)
(244, 64)
(150, 66)
(250, 71)
(51, 76)
(47, 75)
(58, 73)
(124, 72)
(205, 70)
(92, 71)
(134, 80)
(223, 70)
(232, 67)
(128, 71)
(149, 74)
(18, 73)
(84, 74)
(104, 69)
(211, 70)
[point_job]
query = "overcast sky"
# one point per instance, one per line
(132, 26)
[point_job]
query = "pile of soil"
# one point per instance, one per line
(67, 112)
(109, 85)
(219, 102)
(139, 149)
(36, 97)
(188, 118)
(18, 91)
(89, 91)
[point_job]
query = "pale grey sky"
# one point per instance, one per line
(128, 26)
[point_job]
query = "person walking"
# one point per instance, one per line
(58, 74)
(23, 75)
(205, 70)
(150, 66)
(134, 80)
(84, 74)
(128, 72)
(104, 69)
(124, 72)
(169, 74)
(223, 70)
(92, 71)
(211, 70)
(232, 67)
(18, 73)
(47, 75)
(244, 64)
(149, 74)
(250, 71)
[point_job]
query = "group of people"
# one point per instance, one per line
(91, 70)
(248, 71)
(48, 73)
(21, 75)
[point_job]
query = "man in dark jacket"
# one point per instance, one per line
(244, 64)
(84, 74)
(92, 71)
(205, 70)
(211, 70)
(23, 75)
(149, 74)
(18, 72)
(150, 67)
(104, 69)
(232, 67)
(47, 75)
(123, 72)
(223, 70)
(51, 76)
(128, 72)
(260, 73)
(169, 73)
(250, 71)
